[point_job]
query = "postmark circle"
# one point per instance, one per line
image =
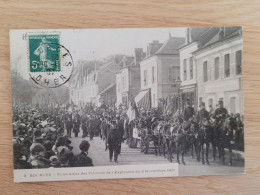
(53, 69)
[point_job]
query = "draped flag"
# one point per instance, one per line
(131, 112)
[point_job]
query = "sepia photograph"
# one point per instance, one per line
(116, 98)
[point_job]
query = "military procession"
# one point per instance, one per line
(42, 136)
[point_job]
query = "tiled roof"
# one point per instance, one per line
(196, 32)
(205, 36)
(171, 45)
(212, 36)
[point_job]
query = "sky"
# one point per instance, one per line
(92, 44)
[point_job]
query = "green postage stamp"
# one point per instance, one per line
(50, 64)
(44, 55)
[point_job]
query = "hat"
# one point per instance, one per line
(220, 102)
(202, 104)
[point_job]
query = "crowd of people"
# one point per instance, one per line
(42, 136)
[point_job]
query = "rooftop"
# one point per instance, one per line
(171, 45)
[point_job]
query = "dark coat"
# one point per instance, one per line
(114, 137)
(202, 113)
(76, 122)
(188, 113)
(69, 122)
(82, 160)
(220, 113)
(121, 128)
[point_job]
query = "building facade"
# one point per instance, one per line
(188, 70)
(160, 69)
(128, 79)
(219, 70)
(96, 85)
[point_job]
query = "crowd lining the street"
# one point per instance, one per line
(42, 135)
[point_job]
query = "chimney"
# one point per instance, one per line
(153, 47)
(222, 33)
(188, 36)
(139, 55)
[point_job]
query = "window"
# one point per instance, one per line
(145, 78)
(216, 67)
(118, 87)
(191, 68)
(170, 74)
(239, 62)
(210, 102)
(184, 69)
(123, 82)
(94, 79)
(153, 78)
(227, 65)
(233, 105)
(205, 71)
(200, 100)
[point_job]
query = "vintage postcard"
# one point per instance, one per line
(127, 103)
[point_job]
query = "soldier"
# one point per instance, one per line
(91, 127)
(84, 125)
(211, 111)
(76, 122)
(120, 125)
(114, 141)
(106, 130)
(220, 112)
(69, 124)
(187, 116)
(189, 111)
(202, 113)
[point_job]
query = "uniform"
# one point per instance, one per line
(91, 128)
(84, 126)
(202, 114)
(220, 112)
(69, 124)
(76, 123)
(188, 113)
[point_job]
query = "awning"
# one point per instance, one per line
(143, 99)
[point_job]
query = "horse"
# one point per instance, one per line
(224, 133)
(205, 137)
(178, 141)
(156, 137)
(146, 138)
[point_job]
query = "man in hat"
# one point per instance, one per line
(202, 113)
(76, 123)
(69, 124)
(189, 111)
(120, 126)
(220, 112)
(114, 141)
(84, 125)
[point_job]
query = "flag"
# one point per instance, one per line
(131, 112)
